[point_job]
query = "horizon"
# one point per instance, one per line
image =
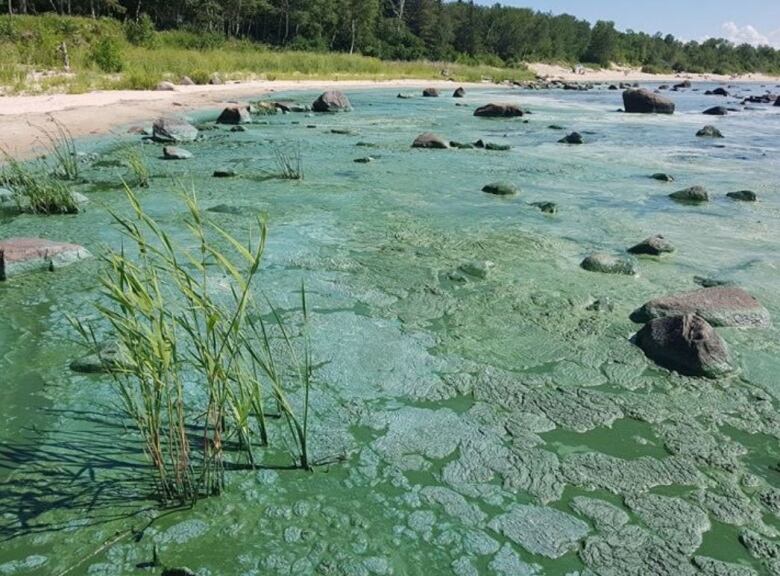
(750, 22)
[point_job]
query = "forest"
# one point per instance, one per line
(462, 32)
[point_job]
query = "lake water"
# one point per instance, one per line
(493, 425)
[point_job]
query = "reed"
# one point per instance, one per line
(138, 168)
(61, 148)
(289, 163)
(192, 328)
(35, 190)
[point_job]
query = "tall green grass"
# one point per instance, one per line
(192, 327)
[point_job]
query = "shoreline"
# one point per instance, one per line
(103, 112)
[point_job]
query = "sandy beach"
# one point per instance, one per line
(102, 112)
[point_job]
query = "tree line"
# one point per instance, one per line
(422, 29)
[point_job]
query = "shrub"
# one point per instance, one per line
(107, 55)
(141, 32)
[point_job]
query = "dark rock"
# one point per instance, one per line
(683, 84)
(332, 101)
(181, 571)
(573, 138)
(709, 131)
(174, 153)
(719, 305)
(343, 131)
(643, 101)
(459, 93)
(608, 264)
(238, 129)
(716, 111)
(235, 115)
(717, 92)
(431, 93)
(546, 207)
(461, 145)
(500, 189)
(555, 127)
(686, 344)
(22, 255)
(224, 173)
(693, 195)
(706, 282)
(662, 177)
(109, 357)
(663, 87)
(654, 246)
(173, 130)
(499, 111)
(405, 96)
(777, 102)
(743, 196)
(430, 140)
(363, 160)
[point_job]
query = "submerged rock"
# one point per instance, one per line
(718, 305)
(181, 571)
(332, 101)
(662, 177)
(174, 153)
(236, 114)
(21, 255)
(643, 101)
(743, 196)
(173, 130)
(687, 344)
(712, 567)
(573, 138)
(364, 160)
(459, 93)
(546, 207)
(716, 111)
(499, 111)
(224, 173)
(430, 140)
(654, 246)
(500, 189)
(477, 268)
(430, 93)
(544, 531)
(709, 131)
(692, 195)
(404, 96)
(109, 357)
(609, 264)
(491, 146)
(719, 91)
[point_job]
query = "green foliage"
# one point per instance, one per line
(107, 55)
(141, 32)
(603, 44)
(200, 362)
(36, 191)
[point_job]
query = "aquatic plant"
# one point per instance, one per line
(138, 167)
(35, 190)
(62, 148)
(289, 165)
(191, 329)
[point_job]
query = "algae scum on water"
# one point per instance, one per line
(477, 405)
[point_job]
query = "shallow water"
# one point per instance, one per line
(457, 404)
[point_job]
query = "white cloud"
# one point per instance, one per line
(750, 35)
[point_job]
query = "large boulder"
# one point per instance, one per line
(235, 115)
(430, 140)
(431, 93)
(21, 255)
(743, 196)
(609, 264)
(717, 92)
(573, 138)
(643, 101)
(459, 93)
(499, 111)
(719, 305)
(173, 130)
(692, 195)
(332, 101)
(176, 153)
(686, 344)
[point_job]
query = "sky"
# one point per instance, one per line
(751, 21)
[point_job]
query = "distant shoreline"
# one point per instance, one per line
(102, 112)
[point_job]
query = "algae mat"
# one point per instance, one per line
(476, 393)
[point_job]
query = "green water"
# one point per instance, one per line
(449, 401)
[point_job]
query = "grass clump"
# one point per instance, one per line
(289, 163)
(203, 357)
(141, 176)
(35, 190)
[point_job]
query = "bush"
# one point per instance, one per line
(107, 55)
(141, 32)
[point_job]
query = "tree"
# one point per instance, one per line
(603, 44)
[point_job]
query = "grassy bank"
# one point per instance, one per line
(102, 56)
